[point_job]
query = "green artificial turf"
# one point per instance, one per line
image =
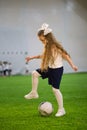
(16, 113)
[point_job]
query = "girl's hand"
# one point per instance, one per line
(69, 60)
(75, 68)
(33, 57)
(27, 59)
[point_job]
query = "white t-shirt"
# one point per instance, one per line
(58, 62)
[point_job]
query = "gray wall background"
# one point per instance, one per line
(20, 20)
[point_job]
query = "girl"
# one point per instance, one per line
(51, 66)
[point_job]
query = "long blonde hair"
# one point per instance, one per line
(47, 54)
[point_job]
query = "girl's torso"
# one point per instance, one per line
(58, 62)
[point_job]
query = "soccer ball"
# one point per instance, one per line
(45, 108)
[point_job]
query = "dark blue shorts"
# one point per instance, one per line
(54, 76)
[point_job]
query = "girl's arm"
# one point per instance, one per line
(33, 57)
(69, 60)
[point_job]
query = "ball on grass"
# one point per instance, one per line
(45, 108)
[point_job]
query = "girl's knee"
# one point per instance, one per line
(35, 74)
(54, 89)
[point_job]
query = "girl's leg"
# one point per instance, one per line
(59, 99)
(33, 93)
